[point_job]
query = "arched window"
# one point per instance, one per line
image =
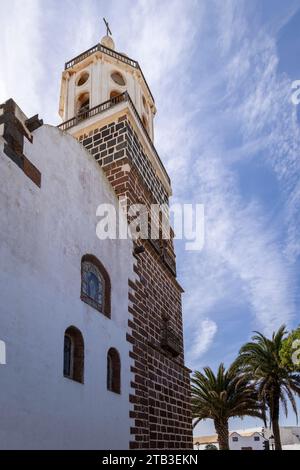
(118, 78)
(95, 284)
(83, 103)
(113, 371)
(83, 78)
(73, 354)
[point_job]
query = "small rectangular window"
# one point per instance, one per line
(235, 439)
(256, 438)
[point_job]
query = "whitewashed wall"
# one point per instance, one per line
(243, 441)
(289, 434)
(44, 233)
(246, 441)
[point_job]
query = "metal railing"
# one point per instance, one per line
(81, 57)
(106, 50)
(100, 108)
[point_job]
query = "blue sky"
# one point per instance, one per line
(221, 73)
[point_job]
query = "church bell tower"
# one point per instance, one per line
(99, 75)
(107, 105)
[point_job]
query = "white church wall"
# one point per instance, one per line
(44, 233)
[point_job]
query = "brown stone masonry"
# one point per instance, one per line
(15, 127)
(116, 141)
(161, 412)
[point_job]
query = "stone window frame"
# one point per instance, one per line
(77, 354)
(113, 380)
(100, 271)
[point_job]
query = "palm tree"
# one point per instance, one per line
(260, 361)
(221, 397)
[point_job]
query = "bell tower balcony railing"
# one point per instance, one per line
(100, 108)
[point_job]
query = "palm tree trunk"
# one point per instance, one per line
(275, 424)
(221, 427)
(276, 433)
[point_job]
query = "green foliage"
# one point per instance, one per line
(289, 355)
(211, 447)
(276, 384)
(263, 377)
(222, 396)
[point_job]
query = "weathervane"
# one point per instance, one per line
(108, 31)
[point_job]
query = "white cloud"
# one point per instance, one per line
(20, 51)
(240, 246)
(201, 340)
(262, 105)
(243, 260)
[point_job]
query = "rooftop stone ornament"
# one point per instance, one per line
(107, 40)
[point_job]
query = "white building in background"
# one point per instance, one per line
(290, 437)
(66, 381)
(238, 440)
(246, 440)
(252, 439)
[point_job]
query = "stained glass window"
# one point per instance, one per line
(95, 284)
(92, 283)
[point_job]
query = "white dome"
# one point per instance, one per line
(108, 41)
